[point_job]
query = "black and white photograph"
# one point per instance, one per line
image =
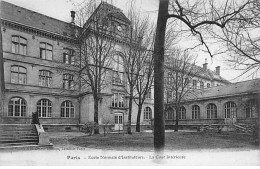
(129, 82)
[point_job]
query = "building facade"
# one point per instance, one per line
(35, 50)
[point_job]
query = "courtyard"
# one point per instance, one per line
(143, 141)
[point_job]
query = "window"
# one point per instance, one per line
(45, 51)
(230, 110)
(16, 107)
(19, 45)
(194, 84)
(67, 109)
(182, 113)
(251, 108)
(68, 81)
(45, 78)
(208, 85)
(18, 75)
(68, 56)
(211, 111)
(201, 85)
(118, 100)
(149, 94)
(195, 112)
(44, 108)
(117, 77)
(147, 113)
(169, 115)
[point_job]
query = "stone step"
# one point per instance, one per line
(18, 138)
(18, 135)
(18, 144)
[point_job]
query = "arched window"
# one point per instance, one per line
(19, 45)
(17, 107)
(67, 109)
(45, 78)
(195, 112)
(18, 75)
(147, 113)
(182, 113)
(211, 111)
(45, 51)
(169, 114)
(251, 108)
(44, 108)
(230, 110)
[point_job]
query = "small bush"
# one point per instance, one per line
(89, 128)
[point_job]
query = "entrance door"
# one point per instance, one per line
(230, 113)
(118, 121)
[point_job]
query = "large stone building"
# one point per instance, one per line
(227, 104)
(36, 47)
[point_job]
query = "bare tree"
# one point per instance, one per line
(241, 41)
(144, 83)
(91, 58)
(181, 69)
(134, 53)
(193, 17)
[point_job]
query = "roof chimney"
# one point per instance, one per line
(218, 70)
(72, 17)
(205, 65)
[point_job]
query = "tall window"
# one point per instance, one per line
(118, 100)
(68, 81)
(195, 112)
(67, 109)
(147, 113)
(16, 107)
(19, 45)
(149, 94)
(44, 108)
(201, 85)
(182, 113)
(208, 85)
(118, 78)
(194, 84)
(68, 56)
(18, 75)
(118, 69)
(251, 108)
(45, 51)
(45, 78)
(169, 114)
(230, 110)
(211, 111)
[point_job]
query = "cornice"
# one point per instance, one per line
(36, 31)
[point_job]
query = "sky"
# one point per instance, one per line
(60, 9)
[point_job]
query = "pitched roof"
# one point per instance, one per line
(30, 18)
(244, 87)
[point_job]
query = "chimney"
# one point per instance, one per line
(218, 70)
(205, 65)
(72, 17)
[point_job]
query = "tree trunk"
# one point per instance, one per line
(159, 128)
(177, 120)
(96, 131)
(138, 117)
(130, 111)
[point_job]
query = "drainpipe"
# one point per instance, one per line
(2, 80)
